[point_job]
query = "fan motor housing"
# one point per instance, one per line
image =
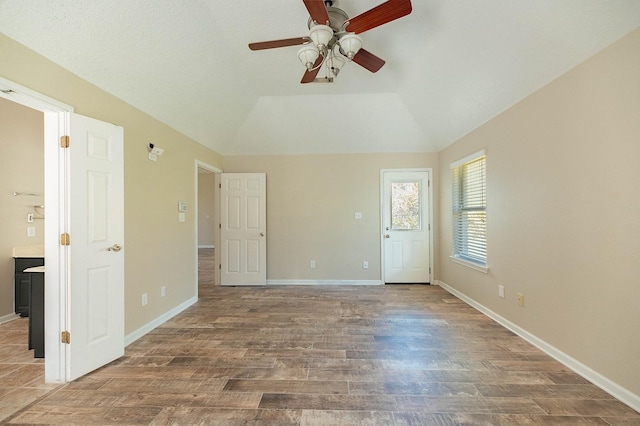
(337, 18)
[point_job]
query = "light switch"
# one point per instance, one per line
(358, 215)
(31, 231)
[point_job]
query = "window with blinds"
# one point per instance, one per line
(469, 209)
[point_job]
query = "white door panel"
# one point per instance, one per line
(243, 207)
(96, 223)
(406, 226)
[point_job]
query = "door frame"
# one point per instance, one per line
(430, 220)
(56, 195)
(208, 167)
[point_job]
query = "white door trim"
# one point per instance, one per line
(217, 171)
(430, 221)
(56, 124)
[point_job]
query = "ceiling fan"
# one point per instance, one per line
(333, 37)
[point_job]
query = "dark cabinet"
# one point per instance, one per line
(36, 314)
(23, 282)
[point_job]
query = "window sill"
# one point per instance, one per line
(482, 268)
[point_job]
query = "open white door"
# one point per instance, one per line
(243, 257)
(96, 254)
(406, 225)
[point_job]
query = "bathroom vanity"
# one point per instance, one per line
(23, 282)
(29, 292)
(36, 310)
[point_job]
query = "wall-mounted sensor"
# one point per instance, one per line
(156, 150)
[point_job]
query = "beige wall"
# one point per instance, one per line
(159, 251)
(563, 213)
(311, 201)
(206, 209)
(21, 170)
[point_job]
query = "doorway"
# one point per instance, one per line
(55, 125)
(406, 237)
(61, 191)
(207, 227)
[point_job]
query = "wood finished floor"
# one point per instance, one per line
(383, 355)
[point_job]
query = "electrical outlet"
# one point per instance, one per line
(520, 299)
(144, 299)
(312, 264)
(31, 231)
(365, 265)
(501, 291)
(358, 215)
(163, 291)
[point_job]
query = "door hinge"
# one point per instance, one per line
(219, 226)
(220, 266)
(65, 337)
(220, 185)
(65, 239)
(64, 141)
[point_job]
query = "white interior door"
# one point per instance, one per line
(243, 254)
(96, 250)
(406, 226)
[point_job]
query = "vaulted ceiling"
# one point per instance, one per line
(451, 65)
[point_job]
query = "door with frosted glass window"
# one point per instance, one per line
(406, 226)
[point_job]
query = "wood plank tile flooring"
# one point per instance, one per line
(374, 355)
(21, 375)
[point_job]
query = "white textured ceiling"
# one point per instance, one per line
(451, 65)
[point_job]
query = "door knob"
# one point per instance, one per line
(262, 234)
(387, 236)
(115, 248)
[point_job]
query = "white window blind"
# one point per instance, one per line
(469, 210)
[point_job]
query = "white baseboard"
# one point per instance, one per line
(609, 386)
(132, 337)
(206, 246)
(324, 282)
(9, 317)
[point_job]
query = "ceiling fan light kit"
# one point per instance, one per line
(321, 35)
(350, 44)
(308, 55)
(333, 38)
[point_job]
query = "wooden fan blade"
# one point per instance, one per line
(310, 76)
(368, 60)
(279, 43)
(317, 11)
(381, 14)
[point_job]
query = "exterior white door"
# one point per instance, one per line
(96, 249)
(243, 257)
(406, 226)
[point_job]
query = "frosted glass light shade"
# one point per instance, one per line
(335, 62)
(350, 44)
(308, 55)
(321, 35)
